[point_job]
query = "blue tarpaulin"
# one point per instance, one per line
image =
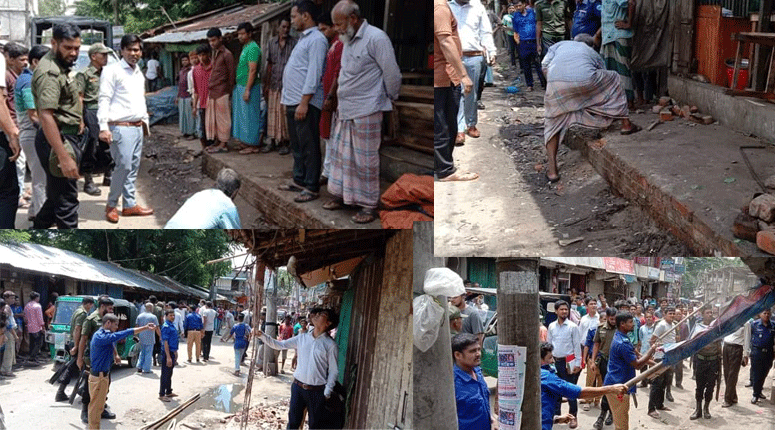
(162, 107)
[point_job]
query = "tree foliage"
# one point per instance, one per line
(696, 266)
(52, 7)
(179, 254)
(12, 236)
(137, 16)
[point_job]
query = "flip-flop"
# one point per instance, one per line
(249, 150)
(635, 128)
(364, 216)
(216, 149)
(552, 181)
(306, 196)
(334, 205)
(290, 187)
(460, 176)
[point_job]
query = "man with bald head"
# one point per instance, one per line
(369, 79)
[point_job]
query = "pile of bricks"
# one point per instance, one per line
(756, 222)
(667, 109)
(266, 417)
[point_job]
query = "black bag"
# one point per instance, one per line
(335, 406)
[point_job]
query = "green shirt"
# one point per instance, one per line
(553, 14)
(55, 87)
(91, 324)
(77, 319)
(159, 312)
(604, 336)
(251, 53)
(89, 86)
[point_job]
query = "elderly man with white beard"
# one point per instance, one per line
(369, 80)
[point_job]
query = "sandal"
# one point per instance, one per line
(217, 149)
(306, 196)
(334, 205)
(249, 150)
(290, 187)
(460, 176)
(635, 128)
(364, 216)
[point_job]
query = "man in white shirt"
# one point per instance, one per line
(660, 383)
(475, 33)
(153, 72)
(123, 118)
(589, 322)
(208, 320)
(316, 372)
(563, 334)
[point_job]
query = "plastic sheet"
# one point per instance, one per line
(441, 281)
(427, 319)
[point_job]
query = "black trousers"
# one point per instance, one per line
(761, 362)
(165, 384)
(305, 145)
(9, 186)
(706, 372)
(733, 358)
(482, 75)
(562, 372)
(61, 206)
(446, 102)
(36, 341)
(657, 389)
(206, 341)
(678, 370)
(602, 367)
(314, 401)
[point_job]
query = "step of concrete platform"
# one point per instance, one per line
(691, 179)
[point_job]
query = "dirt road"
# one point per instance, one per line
(512, 210)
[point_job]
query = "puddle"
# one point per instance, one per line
(221, 398)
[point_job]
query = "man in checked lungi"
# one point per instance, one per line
(369, 80)
(616, 34)
(579, 91)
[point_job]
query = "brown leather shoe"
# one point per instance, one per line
(460, 139)
(111, 214)
(473, 132)
(136, 210)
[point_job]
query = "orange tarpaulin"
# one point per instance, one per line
(408, 200)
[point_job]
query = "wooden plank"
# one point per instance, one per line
(417, 93)
(422, 111)
(770, 75)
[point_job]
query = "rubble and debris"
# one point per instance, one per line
(267, 417)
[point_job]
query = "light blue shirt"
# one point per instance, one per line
(146, 337)
(369, 78)
(614, 10)
(206, 209)
(570, 61)
(304, 71)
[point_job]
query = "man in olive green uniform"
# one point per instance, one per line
(158, 311)
(76, 325)
(553, 21)
(603, 338)
(55, 90)
(707, 368)
(91, 324)
(89, 86)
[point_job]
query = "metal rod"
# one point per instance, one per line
(226, 258)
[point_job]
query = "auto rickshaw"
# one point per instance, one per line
(59, 335)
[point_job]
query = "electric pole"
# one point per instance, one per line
(518, 311)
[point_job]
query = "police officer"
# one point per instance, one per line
(76, 325)
(602, 346)
(89, 88)
(762, 335)
(55, 90)
(707, 366)
(91, 324)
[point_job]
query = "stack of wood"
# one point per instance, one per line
(667, 109)
(413, 118)
(756, 222)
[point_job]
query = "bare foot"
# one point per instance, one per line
(460, 176)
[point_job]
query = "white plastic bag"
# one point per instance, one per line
(427, 321)
(441, 281)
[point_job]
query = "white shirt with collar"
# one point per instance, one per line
(122, 95)
(566, 341)
(473, 27)
(317, 358)
(588, 323)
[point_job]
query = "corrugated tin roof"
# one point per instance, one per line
(227, 21)
(47, 260)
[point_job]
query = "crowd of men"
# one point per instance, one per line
(613, 343)
(330, 85)
(25, 332)
(580, 50)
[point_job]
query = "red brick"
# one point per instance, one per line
(664, 101)
(665, 115)
(763, 207)
(745, 227)
(765, 240)
(707, 119)
(683, 210)
(694, 109)
(656, 108)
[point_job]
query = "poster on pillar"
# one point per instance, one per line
(511, 385)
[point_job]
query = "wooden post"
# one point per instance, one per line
(738, 58)
(434, 384)
(518, 323)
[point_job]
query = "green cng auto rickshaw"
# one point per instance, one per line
(59, 336)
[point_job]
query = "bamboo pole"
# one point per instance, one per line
(652, 372)
(675, 326)
(171, 414)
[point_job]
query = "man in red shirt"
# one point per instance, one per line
(222, 81)
(201, 75)
(330, 75)
(286, 332)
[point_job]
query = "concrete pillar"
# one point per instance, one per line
(518, 310)
(434, 383)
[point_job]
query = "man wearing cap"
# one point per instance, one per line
(316, 373)
(473, 323)
(55, 90)
(89, 87)
(455, 320)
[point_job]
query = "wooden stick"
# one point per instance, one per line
(659, 368)
(675, 326)
(653, 124)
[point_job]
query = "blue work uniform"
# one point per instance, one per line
(586, 18)
(552, 390)
(761, 353)
(473, 400)
(193, 322)
(622, 353)
(101, 348)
